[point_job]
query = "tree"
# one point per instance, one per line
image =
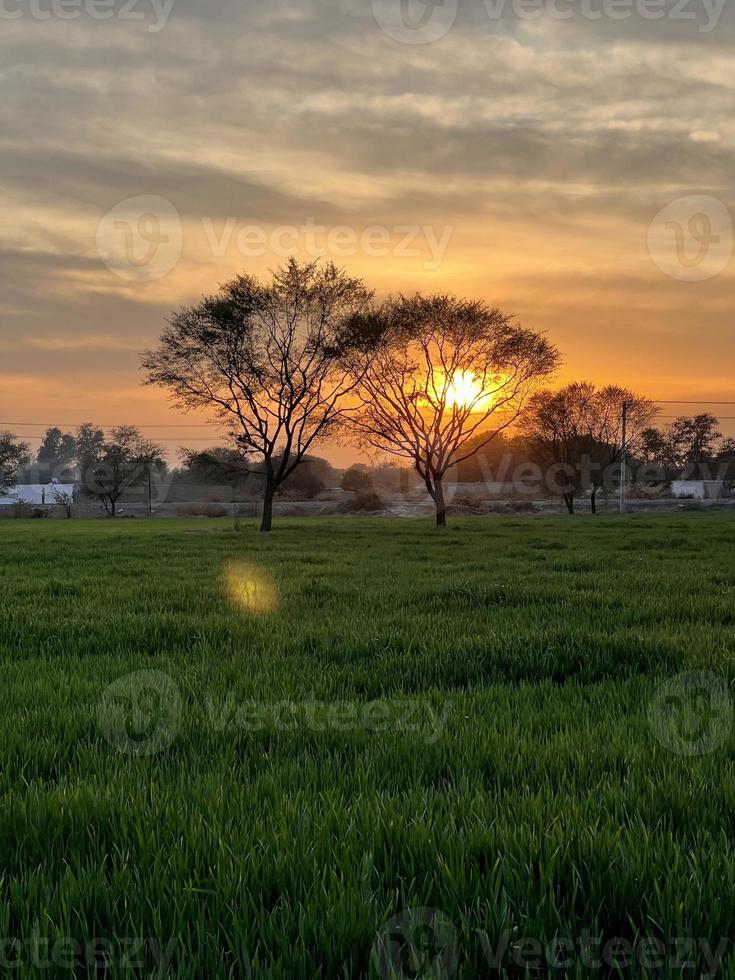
(57, 450)
(309, 480)
(726, 462)
(654, 448)
(150, 459)
(109, 468)
(65, 500)
(356, 478)
(224, 465)
(578, 432)
(13, 453)
(90, 441)
(605, 430)
(447, 376)
(553, 426)
(684, 444)
(267, 359)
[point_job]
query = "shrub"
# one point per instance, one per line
(201, 510)
(368, 501)
(25, 510)
(356, 479)
(467, 503)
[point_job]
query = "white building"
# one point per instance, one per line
(697, 489)
(36, 494)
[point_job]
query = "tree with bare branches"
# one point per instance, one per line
(108, 468)
(446, 377)
(577, 432)
(268, 361)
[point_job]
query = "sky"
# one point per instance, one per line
(570, 161)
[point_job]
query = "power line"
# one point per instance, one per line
(76, 425)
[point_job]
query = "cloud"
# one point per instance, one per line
(546, 146)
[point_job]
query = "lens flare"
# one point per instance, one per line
(251, 589)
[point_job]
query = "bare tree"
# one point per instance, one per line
(65, 500)
(109, 468)
(605, 430)
(267, 359)
(447, 376)
(576, 432)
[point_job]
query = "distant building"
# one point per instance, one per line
(36, 494)
(697, 489)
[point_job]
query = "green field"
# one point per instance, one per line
(364, 717)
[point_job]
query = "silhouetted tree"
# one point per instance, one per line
(267, 360)
(13, 454)
(111, 467)
(447, 376)
(577, 432)
(554, 428)
(687, 442)
(57, 451)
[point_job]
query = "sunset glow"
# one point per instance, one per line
(466, 391)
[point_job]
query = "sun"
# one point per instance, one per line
(465, 391)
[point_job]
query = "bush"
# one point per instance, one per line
(467, 503)
(25, 510)
(366, 502)
(201, 510)
(356, 479)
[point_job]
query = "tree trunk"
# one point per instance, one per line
(267, 522)
(593, 500)
(441, 507)
(112, 508)
(569, 501)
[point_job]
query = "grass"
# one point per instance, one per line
(357, 718)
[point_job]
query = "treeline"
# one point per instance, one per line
(454, 389)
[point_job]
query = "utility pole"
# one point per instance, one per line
(624, 448)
